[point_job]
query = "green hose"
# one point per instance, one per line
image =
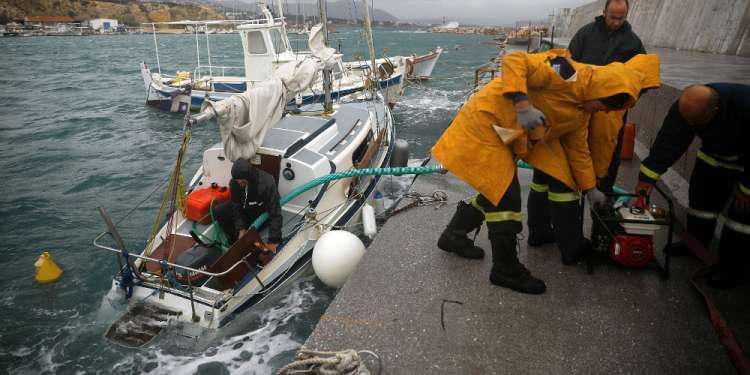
(363, 172)
(352, 173)
(219, 237)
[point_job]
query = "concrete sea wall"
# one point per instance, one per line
(715, 26)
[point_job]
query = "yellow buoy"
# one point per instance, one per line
(46, 269)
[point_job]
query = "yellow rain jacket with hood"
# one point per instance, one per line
(606, 125)
(471, 149)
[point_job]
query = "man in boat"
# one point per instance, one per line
(539, 111)
(553, 209)
(253, 192)
(719, 114)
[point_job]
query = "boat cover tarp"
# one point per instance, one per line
(244, 119)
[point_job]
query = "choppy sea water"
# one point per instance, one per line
(75, 134)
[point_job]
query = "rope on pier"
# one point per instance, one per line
(438, 198)
(345, 362)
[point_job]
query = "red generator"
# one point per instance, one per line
(199, 201)
(630, 230)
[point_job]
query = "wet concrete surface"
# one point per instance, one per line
(681, 68)
(426, 311)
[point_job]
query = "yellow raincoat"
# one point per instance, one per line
(473, 151)
(606, 125)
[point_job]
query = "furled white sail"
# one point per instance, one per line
(244, 119)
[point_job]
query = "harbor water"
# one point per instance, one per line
(75, 134)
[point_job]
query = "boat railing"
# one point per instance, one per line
(485, 74)
(197, 119)
(163, 261)
(215, 69)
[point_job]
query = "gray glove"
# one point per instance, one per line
(529, 117)
(596, 197)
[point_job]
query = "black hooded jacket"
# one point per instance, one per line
(260, 195)
(594, 44)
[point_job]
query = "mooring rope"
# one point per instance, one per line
(438, 198)
(345, 362)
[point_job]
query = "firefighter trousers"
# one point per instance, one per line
(505, 217)
(711, 187)
(553, 206)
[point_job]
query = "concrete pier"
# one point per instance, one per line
(426, 311)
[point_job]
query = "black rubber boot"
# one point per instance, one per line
(568, 229)
(507, 271)
(729, 272)
(539, 221)
(454, 238)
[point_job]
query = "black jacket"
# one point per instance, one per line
(724, 140)
(260, 195)
(594, 44)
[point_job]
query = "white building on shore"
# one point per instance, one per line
(103, 25)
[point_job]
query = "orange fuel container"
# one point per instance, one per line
(199, 201)
(628, 141)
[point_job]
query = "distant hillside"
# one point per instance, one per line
(129, 12)
(342, 10)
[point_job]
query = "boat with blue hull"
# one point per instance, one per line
(266, 47)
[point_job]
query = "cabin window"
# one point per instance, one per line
(255, 43)
(278, 42)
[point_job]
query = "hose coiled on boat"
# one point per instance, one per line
(348, 174)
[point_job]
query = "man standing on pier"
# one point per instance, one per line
(553, 208)
(719, 114)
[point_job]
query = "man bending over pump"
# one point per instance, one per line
(539, 111)
(253, 193)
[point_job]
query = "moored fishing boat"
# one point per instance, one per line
(266, 47)
(420, 67)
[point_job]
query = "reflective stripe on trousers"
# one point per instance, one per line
(736, 226)
(715, 162)
(496, 216)
(706, 215)
(563, 197)
(539, 188)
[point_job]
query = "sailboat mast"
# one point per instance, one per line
(281, 15)
(368, 35)
(327, 83)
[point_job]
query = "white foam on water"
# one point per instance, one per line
(431, 100)
(246, 353)
(22, 352)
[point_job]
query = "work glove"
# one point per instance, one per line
(529, 118)
(644, 186)
(596, 197)
(742, 203)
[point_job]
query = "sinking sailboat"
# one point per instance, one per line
(321, 158)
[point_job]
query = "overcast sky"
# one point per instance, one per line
(475, 11)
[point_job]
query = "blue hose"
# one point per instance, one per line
(352, 173)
